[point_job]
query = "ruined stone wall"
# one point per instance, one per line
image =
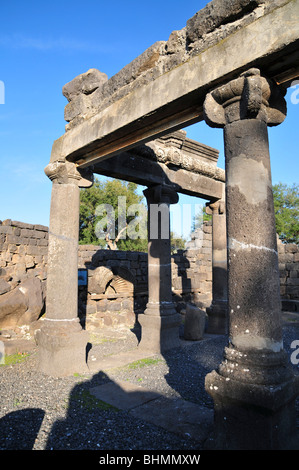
(288, 256)
(191, 281)
(23, 274)
(117, 305)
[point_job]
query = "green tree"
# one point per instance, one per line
(200, 217)
(113, 215)
(286, 208)
(177, 243)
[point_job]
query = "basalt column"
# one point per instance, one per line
(61, 340)
(217, 312)
(253, 389)
(160, 321)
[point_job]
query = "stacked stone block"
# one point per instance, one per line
(23, 257)
(288, 255)
(23, 272)
(22, 244)
(192, 269)
(109, 309)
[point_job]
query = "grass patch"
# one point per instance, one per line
(12, 359)
(143, 363)
(89, 402)
(96, 339)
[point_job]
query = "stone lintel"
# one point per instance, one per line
(174, 99)
(189, 148)
(144, 171)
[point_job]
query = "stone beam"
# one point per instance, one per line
(186, 165)
(174, 99)
(141, 171)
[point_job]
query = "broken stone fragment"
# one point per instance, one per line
(144, 62)
(85, 83)
(98, 279)
(76, 107)
(13, 305)
(32, 289)
(4, 286)
(22, 305)
(176, 41)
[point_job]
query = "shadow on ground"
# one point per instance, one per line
(26, 422)
(105, 414)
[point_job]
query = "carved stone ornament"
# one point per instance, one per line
(250, 96)
(64, 172)
(217, 207)
(171, 156)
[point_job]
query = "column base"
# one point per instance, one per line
(217, 318)
(253, 416)
(159, 333)
(62, 349)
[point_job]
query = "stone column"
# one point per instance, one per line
(253, 389)
(160, 321)
(217, 312)
(61, 340)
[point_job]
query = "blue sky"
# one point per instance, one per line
(43, 45)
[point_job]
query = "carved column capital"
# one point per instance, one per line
(64, 172)
(161, 193)
(217, 207)
(250, 96)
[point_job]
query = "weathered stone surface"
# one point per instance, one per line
(77, 106)
(134, 69)
(176, 41)
(23, 304)
(195, 320)
(62, 342)
(85, 83)
(159, 333)
(184, 83)
(98, 281)
(62, 348)
(3, 273)
(13, 305)
(4, 287)
(123, 395)
(177, 416)
(217, 13)
(102, 89)
(253, 387)
(32, 289)
(160, 323)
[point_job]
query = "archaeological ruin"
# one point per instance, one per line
(230, 67)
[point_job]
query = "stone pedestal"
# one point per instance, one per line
(62, 348)
(61, 340)
(253, 389)
(217, 312)
(160, 321)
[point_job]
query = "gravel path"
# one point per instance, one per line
(40, 412)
